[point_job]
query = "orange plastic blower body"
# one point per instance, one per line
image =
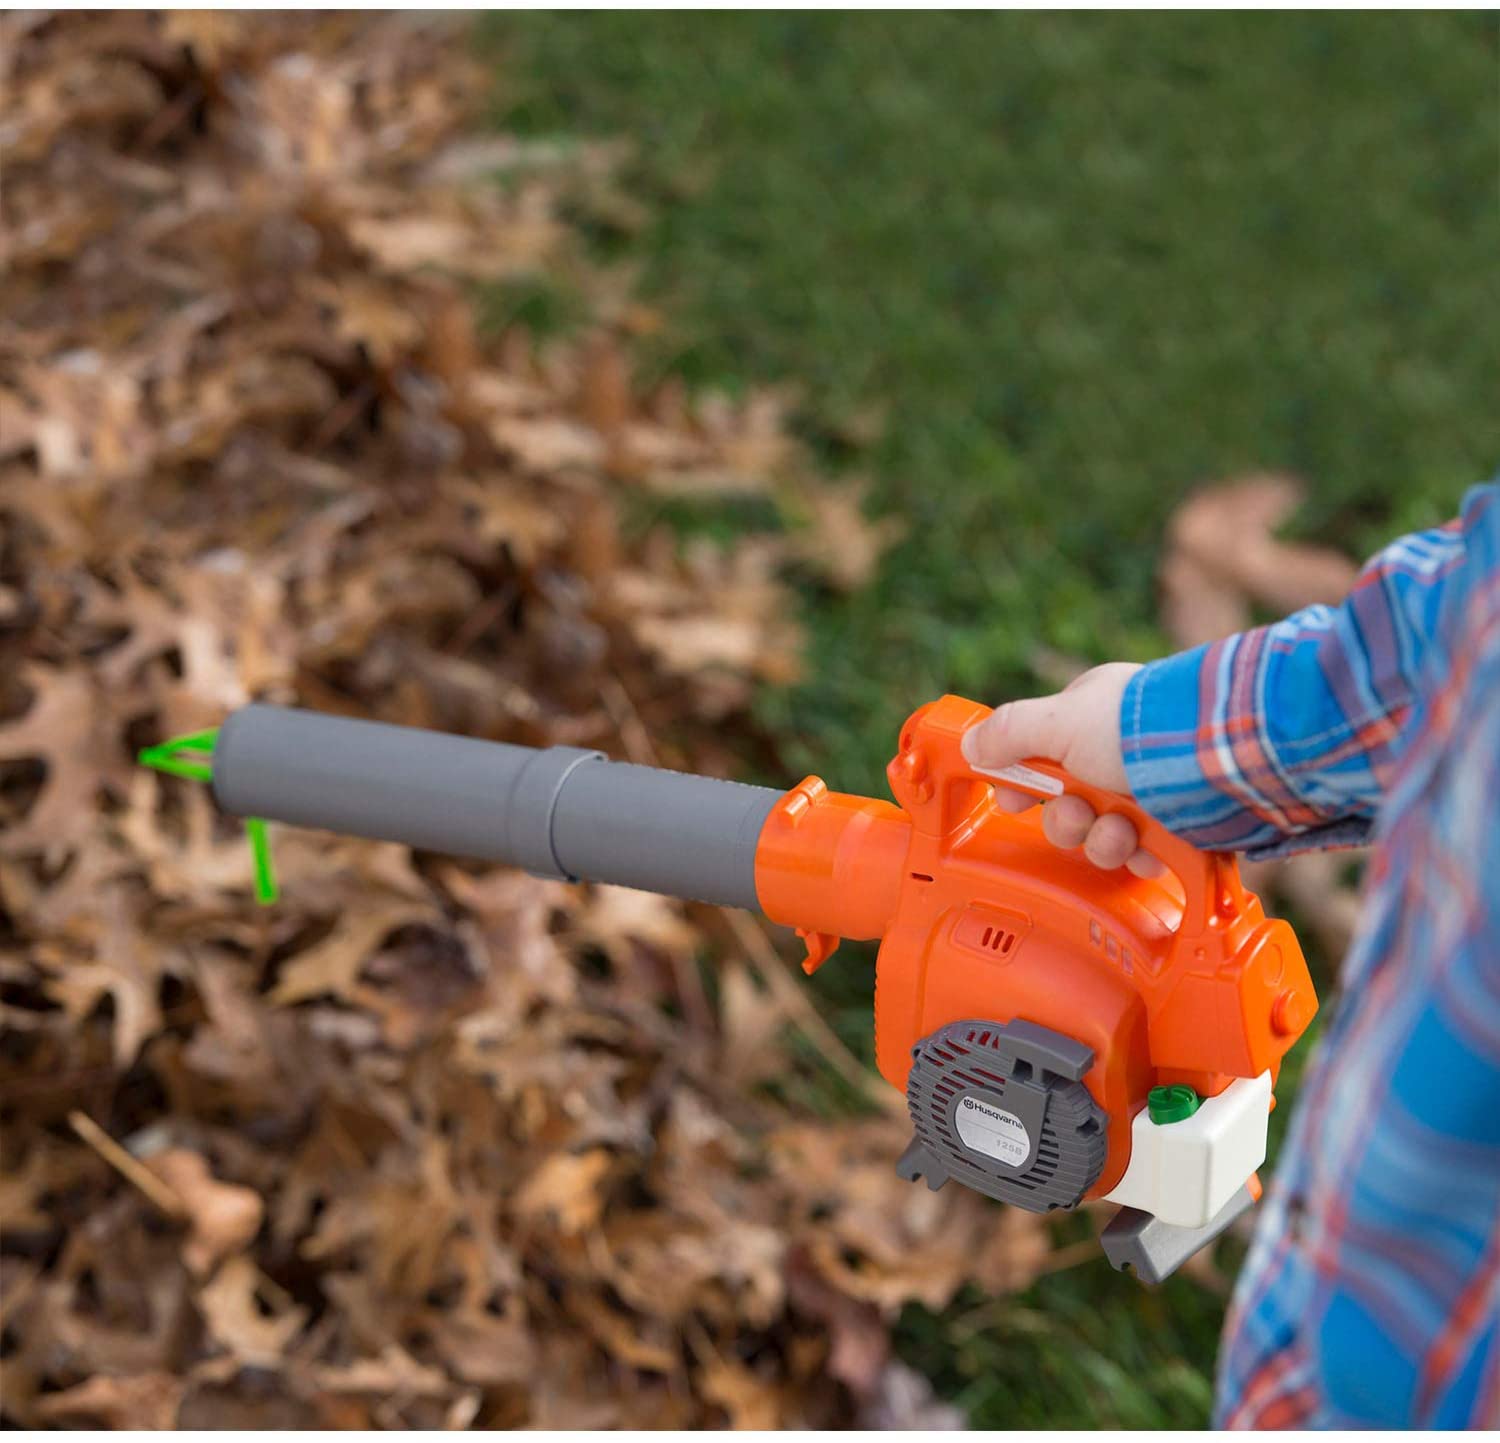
(1177, 980)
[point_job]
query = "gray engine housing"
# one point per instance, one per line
(1001, 1108)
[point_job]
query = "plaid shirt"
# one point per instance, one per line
(1371, 1295)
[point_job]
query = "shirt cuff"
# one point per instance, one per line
(1175, 774)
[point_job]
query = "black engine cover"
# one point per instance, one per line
(1002, 1109)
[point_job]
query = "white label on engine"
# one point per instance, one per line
(992, 1131)
(1024, 776)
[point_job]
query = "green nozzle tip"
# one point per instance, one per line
(1174, 1103)
(177, 759)
(168, 758)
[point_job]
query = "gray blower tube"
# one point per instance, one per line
(558, 812)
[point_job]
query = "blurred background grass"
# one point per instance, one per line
(1076, 264)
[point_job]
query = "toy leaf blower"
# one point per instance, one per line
(1061, 1033)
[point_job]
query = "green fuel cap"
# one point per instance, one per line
(1173, 1103)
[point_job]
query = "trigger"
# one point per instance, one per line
(820, 947)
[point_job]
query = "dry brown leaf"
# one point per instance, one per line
(506, 514)
(752, 1020)
(66, 727)
(222, 1217)
(333, 966)
(1196, 605)
(840, 541)
(624, 1338)
(566, 1191)
(605, 390)
(105, 957)
(256, 1334)
(617, 916)
(485, 1350)
(407, 243)
(749, 1401)
(544, 446)
(145, 1401)
(211, 35)
(1224, 549)
(394, 1371)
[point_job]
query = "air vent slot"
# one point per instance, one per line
(991, 931)
(1112, 947)
(997, 939)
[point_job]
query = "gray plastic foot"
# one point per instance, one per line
(1135, 1242)
(918, 1161)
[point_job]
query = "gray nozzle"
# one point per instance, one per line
(560, 812)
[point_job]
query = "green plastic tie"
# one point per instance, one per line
(1174, 1103)
(266, 891)
(166, 758)
(176, 758)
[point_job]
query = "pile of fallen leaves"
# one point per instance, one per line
(427, 1143)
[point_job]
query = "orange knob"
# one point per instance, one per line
(1289, 1013)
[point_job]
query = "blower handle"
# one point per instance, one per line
(939, 789)
(1210, 880)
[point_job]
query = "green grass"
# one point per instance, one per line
(1083, 1348)
(1080, 263)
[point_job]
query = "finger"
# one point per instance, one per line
(1144, 864)
(1019, 729)
(1066, 821)
(1008, 799)
(1111, 842)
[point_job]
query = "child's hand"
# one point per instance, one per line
(1080, 728)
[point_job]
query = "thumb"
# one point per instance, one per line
(1036, 727)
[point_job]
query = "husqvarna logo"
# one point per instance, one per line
(992, 1131)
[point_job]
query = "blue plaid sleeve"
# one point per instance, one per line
(1371, 1295)
(1286, 737)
